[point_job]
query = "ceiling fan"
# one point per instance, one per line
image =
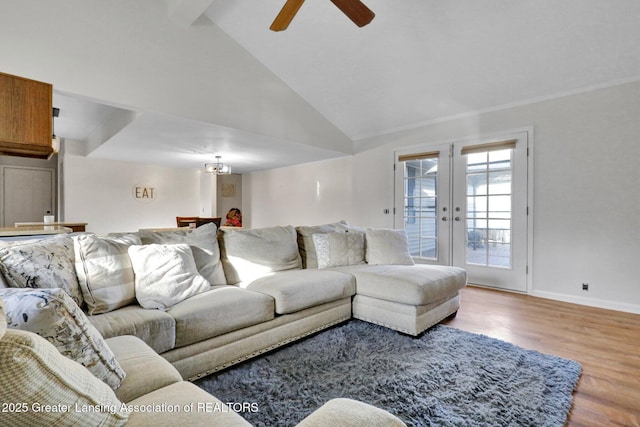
(355, 10)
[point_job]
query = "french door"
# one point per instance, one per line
(465, 204)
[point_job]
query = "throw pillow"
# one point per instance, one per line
(165, 275)
(42, 264)
(3, 319)
(204, 245)
(36, 379)
(53, 315)
(336, 249)
(248, 254)
(104, 271)
(306, 244)
(388, 246)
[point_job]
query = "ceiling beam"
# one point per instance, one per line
(117, 122)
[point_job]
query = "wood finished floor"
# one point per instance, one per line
(605, 342)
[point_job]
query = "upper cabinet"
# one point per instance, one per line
(26, 119)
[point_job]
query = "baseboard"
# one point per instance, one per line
(591, 302)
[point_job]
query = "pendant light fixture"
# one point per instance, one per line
(218, 167)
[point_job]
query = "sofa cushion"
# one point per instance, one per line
(53, 315)
(154, 327)
(295, 290)
(339, 248)
(138, 360)
(207, 411)
(352, 413)
(204, 245)
(104, 271)
(45, 263)
(251, 253)
(417, 284)
(34, 373)
(218, 311)
(388, 246)
(305, 240)
(165, 275)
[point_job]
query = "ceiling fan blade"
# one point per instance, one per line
(360, 14)
(286, 14)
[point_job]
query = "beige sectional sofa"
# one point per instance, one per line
(41, 387)
(268, 287)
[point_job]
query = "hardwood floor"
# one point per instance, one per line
(605, 342)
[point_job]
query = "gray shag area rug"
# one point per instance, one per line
(445, 377)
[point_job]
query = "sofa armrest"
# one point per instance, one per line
(350, 413)
(146, 370)
(183, 404)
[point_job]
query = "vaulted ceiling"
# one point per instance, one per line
(310, 92)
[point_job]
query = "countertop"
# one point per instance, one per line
(33, 230)
(64, 224)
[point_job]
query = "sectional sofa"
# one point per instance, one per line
(206, 299)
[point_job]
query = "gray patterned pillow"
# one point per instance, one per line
(336, 248)
(104, 271)
(3, 319)
(305, 240)
(42, 264)
(53, 315)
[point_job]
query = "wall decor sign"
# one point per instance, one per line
(144, 193)
(228, 190)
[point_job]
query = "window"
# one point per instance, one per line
(421, 203)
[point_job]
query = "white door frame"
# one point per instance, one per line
(529, 130)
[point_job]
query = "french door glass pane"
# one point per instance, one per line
(489, 177)
(421, 206)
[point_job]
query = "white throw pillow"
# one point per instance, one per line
(388, 246)
(104, 271)
(204, 245)
(336, 249)
(165, 275)
(53, 315)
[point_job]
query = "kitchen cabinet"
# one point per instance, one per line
(26, 119)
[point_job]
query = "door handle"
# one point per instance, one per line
(457, 218)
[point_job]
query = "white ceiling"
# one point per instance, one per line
(419, 61)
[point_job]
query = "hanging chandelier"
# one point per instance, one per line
(218, 167)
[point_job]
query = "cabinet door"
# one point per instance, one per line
(27, 193)
(25, 116)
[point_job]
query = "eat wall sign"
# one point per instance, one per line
(144, 193)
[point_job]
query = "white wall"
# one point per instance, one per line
(586, 190)
(313, 193)
(100, 192)
(133, 54)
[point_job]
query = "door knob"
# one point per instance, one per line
(457, 218)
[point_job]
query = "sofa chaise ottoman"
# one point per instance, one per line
(391, 289)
